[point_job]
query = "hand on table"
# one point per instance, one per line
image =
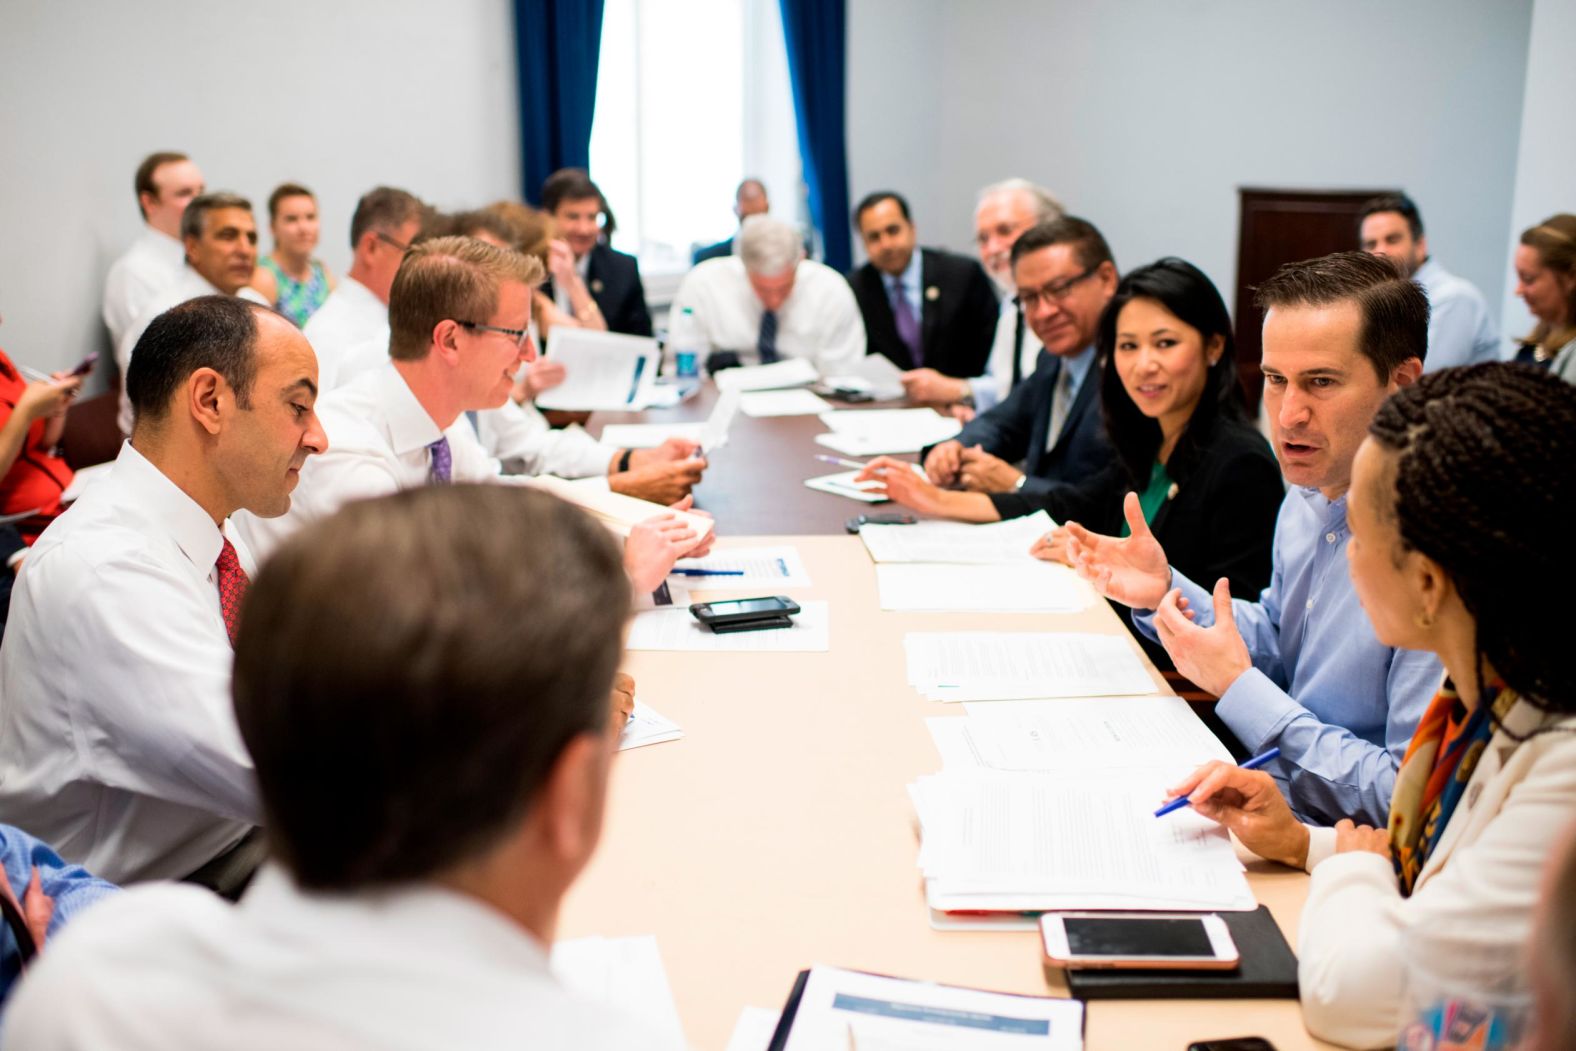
(980, 472)
(702, 547)
(652, 548)
(931, 387)
(1052, 547)
(661, 483)
(898, 482)
(623, 701)
(1132, 570)
(541, 375)
(942, 465)
(672, 449)
(1212, 657)
(1250, 804)
(1350, 836)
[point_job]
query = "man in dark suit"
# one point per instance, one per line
(749, 199)
(922, 309)
(591, 276)
(1050, 423)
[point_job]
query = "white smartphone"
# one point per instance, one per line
(1181, 941)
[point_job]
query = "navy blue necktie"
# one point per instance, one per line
(766, 344)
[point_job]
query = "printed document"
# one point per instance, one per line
(647, 727)
(789, 372)
(873, 374)
(1011, 666)
(873, 432)
(1007, 541)
(935, 587)
(782, 403)
(603, 371)
(762, 569)
(623, 974)
(618, 512)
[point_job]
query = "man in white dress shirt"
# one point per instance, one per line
(219, 236)
(1460, 331)
(459, 311)
(767, 302)
(350, 331)
(117, 742)
(165, 184)
(1005, 210)
(432, 787)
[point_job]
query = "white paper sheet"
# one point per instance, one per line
(754, 1029)
(872, 432)
(765, 569)
(873, 374)
(1007, 541)
(623, 974)
(650, 435)
(603, 371)
(1008, 666)
(1032, 587)
(1001, 841)
(843, 484)
(679, 630)
(715, 435)
(789, 372)
(796, 402)
(645, 727)
(619, 512)
(867, 1012)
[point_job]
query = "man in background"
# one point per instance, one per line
(165, 184)
(749, 199)
(591, 267)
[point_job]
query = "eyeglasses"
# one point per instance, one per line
(521, 336)
(1055, 292)
(386, 239)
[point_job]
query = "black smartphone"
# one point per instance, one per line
(743, 610)
(1240, 1043)
(853, 525)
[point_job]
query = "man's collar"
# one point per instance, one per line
(170, 506)
(409, 426)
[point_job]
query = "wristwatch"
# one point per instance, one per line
(623, 461)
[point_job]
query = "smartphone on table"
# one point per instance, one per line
(746, 614)
(1147, 940)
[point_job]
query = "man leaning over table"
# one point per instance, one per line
(1301, 669)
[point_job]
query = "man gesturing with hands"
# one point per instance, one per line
(1301, 668)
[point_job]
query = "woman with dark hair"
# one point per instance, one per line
(1458, 511)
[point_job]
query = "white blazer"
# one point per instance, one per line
(1484, 874)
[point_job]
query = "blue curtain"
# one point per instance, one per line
(817, 36)
(556, 44)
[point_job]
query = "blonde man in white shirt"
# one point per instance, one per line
(117, 743)
(165, 183)
(432, 787)
(350, 331)
(219, 238)
(459, 311)
(766, 302)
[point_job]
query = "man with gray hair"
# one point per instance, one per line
(1004, 211)
(219, 237)
(767, 302)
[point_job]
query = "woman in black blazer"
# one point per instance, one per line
(1201, 474)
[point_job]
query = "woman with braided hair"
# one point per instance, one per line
(1460, 508)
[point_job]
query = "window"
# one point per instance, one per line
(692, 96)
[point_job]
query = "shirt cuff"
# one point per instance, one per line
(984, 391)
(1321, 846)
(1256, 710)
(1361, 865)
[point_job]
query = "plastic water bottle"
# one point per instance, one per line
(684, 334)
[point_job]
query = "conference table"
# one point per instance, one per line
(778, 833)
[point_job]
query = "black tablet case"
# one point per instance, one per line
(1267, 970)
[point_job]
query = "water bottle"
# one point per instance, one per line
(685, 337)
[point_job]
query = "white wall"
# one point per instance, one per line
(1146, 116)
(340, 96)
(1546, 161)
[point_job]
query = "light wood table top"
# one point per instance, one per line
(778, 833)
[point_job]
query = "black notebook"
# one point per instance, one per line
(1267, 970)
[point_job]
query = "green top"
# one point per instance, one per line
(1154, 496)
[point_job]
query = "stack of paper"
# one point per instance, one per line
(677, 629)
(842, 484)
(782, 403)
(603, 371)
(1010, 666)
(618, 512)
(764, 569)
(1029, 587)
(647, 727)
(1032, 841)
(873, 374)
(873, 432)
(625, 975)
(789, 372)
(710, 435)
(957, 542)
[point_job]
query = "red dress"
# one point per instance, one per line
(38, 477)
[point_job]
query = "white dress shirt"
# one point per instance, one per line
(520, 433)
(118, 743)
(819, 320)
(350, 317)
(1460, 332)
(411, 969)
(561, 298)
(992, 388)
(153, 261)
(188, 284)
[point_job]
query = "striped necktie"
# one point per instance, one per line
(766, 343)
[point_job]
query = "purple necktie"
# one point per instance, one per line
(907, 324)
(440, 467)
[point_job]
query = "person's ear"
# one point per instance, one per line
(1406, 373)
(446, 341)
(1431, 587)
(1214, 349)
(571, 802)
(207, 395)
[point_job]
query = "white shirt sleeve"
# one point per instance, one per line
(843, 329)
(520, 432)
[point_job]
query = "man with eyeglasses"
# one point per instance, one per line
(353, 323)
(459, 311)
(1050, 423)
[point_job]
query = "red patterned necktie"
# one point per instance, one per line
(233, 583)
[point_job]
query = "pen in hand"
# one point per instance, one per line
(838, 461)
(1252, 764)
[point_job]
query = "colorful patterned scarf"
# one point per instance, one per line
(1434, 775)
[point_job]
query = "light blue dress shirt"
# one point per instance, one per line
(908, 282)
(1340, 705)
(70, 887)
(1460, 332)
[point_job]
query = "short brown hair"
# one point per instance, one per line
(143, 181)
(1394, 310)
(283, 190)
(407, 661)
(1554, 239)
(570, 184)
(385, 209)
(449, 278)
(196, 214)
(1087, 241)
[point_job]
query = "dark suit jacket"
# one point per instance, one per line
(613, 279)
(1015, 431)
(958, 314)
(720, 250)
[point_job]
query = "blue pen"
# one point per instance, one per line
(708, 573)
(1252, 764)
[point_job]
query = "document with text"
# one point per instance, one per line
(789, 372)
(873, 432)
(678, 629)
(1009, 666)
(602, 371)
(1007, 541)
(1031, 587)
(744, 568)
(782, 403)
